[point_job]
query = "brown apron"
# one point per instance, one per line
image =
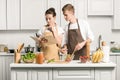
(50, 50)
(75, 37)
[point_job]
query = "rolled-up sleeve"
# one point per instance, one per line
(85, 30)
(65, 36)
(89, 32)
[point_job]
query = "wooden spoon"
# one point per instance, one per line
(72, 55)
(20, 47)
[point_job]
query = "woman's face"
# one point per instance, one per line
(50, 19)
(68, 15)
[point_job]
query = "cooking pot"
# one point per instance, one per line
(29, 49)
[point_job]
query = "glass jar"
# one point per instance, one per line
(40, 58)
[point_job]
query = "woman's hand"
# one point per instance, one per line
(80, 45)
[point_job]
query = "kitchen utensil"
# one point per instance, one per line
(20, 47)
(29, 49)
(17, 56)
(72, 55)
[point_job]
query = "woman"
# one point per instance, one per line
(52, 30)
(77, 33)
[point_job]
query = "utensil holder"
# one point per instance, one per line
(17, 57)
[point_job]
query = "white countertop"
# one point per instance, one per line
(71, 64)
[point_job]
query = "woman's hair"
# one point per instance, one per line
(51, 11)
(68, 7)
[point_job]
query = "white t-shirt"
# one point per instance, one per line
(84, 29)
(42, 30)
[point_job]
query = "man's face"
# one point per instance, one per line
(68, 15)
(50, 19)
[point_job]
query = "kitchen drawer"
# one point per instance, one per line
(73, 74)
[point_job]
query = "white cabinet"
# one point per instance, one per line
(32, 13)
(13, 14)
(9, 14)
(80, 8)
(8, 60)
(104, 74)
(5, 61)
(116, 59)
(116, 14)
(2, 14)
(31, 74)
(41, 74)
(113, 58)
(118, 68)
(73, 74)
(58, 72)
(100, 7)
(2, 68)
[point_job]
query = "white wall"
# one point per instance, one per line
(13, 38)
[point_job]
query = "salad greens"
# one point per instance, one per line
(28, 56)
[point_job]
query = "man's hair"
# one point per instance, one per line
(68, 7)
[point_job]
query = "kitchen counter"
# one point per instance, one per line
(75, 63)
(69, 71)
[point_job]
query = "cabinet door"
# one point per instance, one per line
(32, 14)
(2, 14)
(31, 74)
(55, 4)
(100, 7)
(8, 60)
(113, 58)
(13, 14)
(104, 73)
(2, 68)
(20, 74)
(118, 67)
(116, 14)
(73, 74)
(41, 74)
(81, 9)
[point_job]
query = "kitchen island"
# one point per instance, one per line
(65, 71)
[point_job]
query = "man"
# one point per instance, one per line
(77, 33)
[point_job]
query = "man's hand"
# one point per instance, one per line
(80, 45)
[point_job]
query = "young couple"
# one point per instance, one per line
(76, 34)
